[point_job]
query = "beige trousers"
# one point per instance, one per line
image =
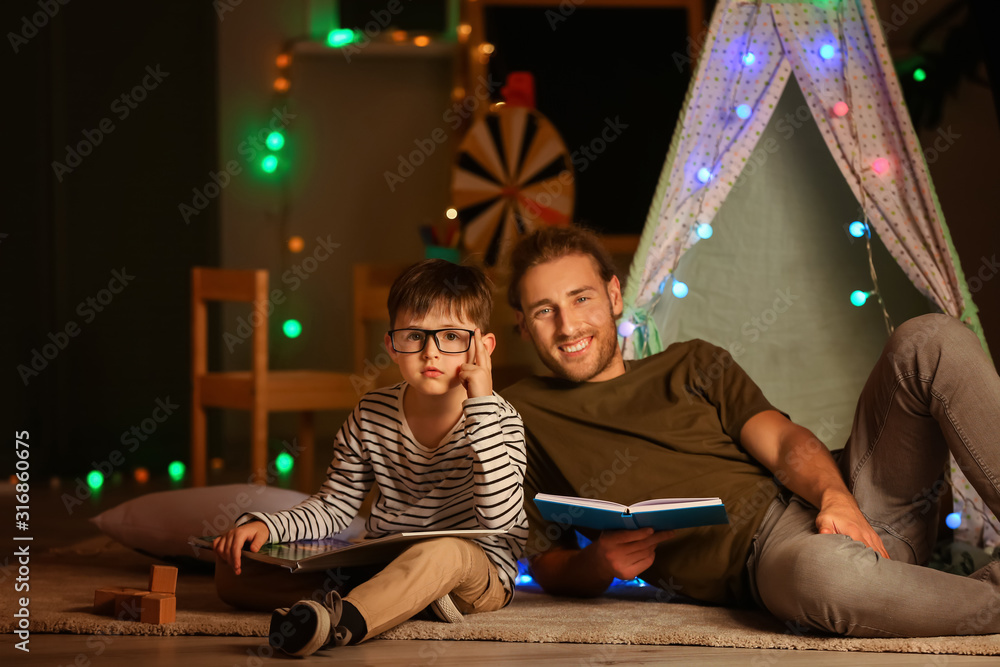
(384, 595)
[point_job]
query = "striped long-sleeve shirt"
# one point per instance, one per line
(472, 480)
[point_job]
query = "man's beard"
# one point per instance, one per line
(600, 359)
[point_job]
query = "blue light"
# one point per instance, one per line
(857, 229)
(704, 175)
(524, 579)
(626, 328)
(679, 289)
(749, 59)
(858, 298)
(953, 520)
(744, 111)
(704, 231)
(827, 51)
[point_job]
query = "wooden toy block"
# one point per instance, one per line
(159, 608)
(128, 604)
(104, 600)
(163, 579)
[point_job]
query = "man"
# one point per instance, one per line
(832, 547)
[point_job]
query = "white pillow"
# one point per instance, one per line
(160, 524)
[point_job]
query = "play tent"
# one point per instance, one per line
(794, 128)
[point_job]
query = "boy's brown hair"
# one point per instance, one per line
(550, 243)
(435, 283)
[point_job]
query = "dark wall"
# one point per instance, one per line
(97, 257)
(614, 100)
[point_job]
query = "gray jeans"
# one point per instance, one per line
(932, 391)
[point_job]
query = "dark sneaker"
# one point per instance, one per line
(308, 626)
(446, 610)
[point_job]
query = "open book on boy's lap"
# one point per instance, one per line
(660, 514)
(335, 551)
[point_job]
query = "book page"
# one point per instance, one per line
(672, 503)
(594, 503)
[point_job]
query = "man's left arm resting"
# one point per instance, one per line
(800, 461)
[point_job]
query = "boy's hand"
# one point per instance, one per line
(228, 546)
(477, 376)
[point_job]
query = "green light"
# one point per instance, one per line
(275, 141)
(269, 164)
(284, 462)
(176, 471)
(340, 37)
(920, 74)
(859, 298)
(95, 480)
(292, 328)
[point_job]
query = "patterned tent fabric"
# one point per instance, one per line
(874, 146)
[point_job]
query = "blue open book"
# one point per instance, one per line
(661, 514)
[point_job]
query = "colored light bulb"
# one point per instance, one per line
(680, 290)
(880, 166)
(859, 298)
(275, 141)
(95, 480)
(269, 164)
(840, 109)
(827, 51)
(920, 75)
(340, 37)
(292, 328)
(176, 471)
(953, 520)
(749, 59)
(284, 462)
(857, 229)
(296, 244)
(704, 231)
(744, 111)
(704, 175)
(625, 329)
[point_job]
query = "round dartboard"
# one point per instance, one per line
(512, 174)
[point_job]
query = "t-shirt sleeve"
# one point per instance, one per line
(736, 396)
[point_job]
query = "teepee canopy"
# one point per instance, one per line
(873, 143)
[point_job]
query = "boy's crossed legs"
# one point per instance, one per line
(424, 573)
(932, 391)
(389, 595)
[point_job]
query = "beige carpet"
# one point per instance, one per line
(62, 586)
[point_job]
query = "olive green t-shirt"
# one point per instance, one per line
(668, 428)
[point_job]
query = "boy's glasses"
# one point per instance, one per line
(449, 341)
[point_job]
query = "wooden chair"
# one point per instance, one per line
(260, 390)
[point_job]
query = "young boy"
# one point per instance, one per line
(445, 451)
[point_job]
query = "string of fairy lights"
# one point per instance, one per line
(704, 174)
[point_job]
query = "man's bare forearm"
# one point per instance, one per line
(806, 467)
(573, 572)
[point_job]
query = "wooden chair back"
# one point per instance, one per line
(248, 286)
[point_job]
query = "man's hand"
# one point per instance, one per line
(839, 514)
(477, 376)
(627, 553)
(228, 546)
